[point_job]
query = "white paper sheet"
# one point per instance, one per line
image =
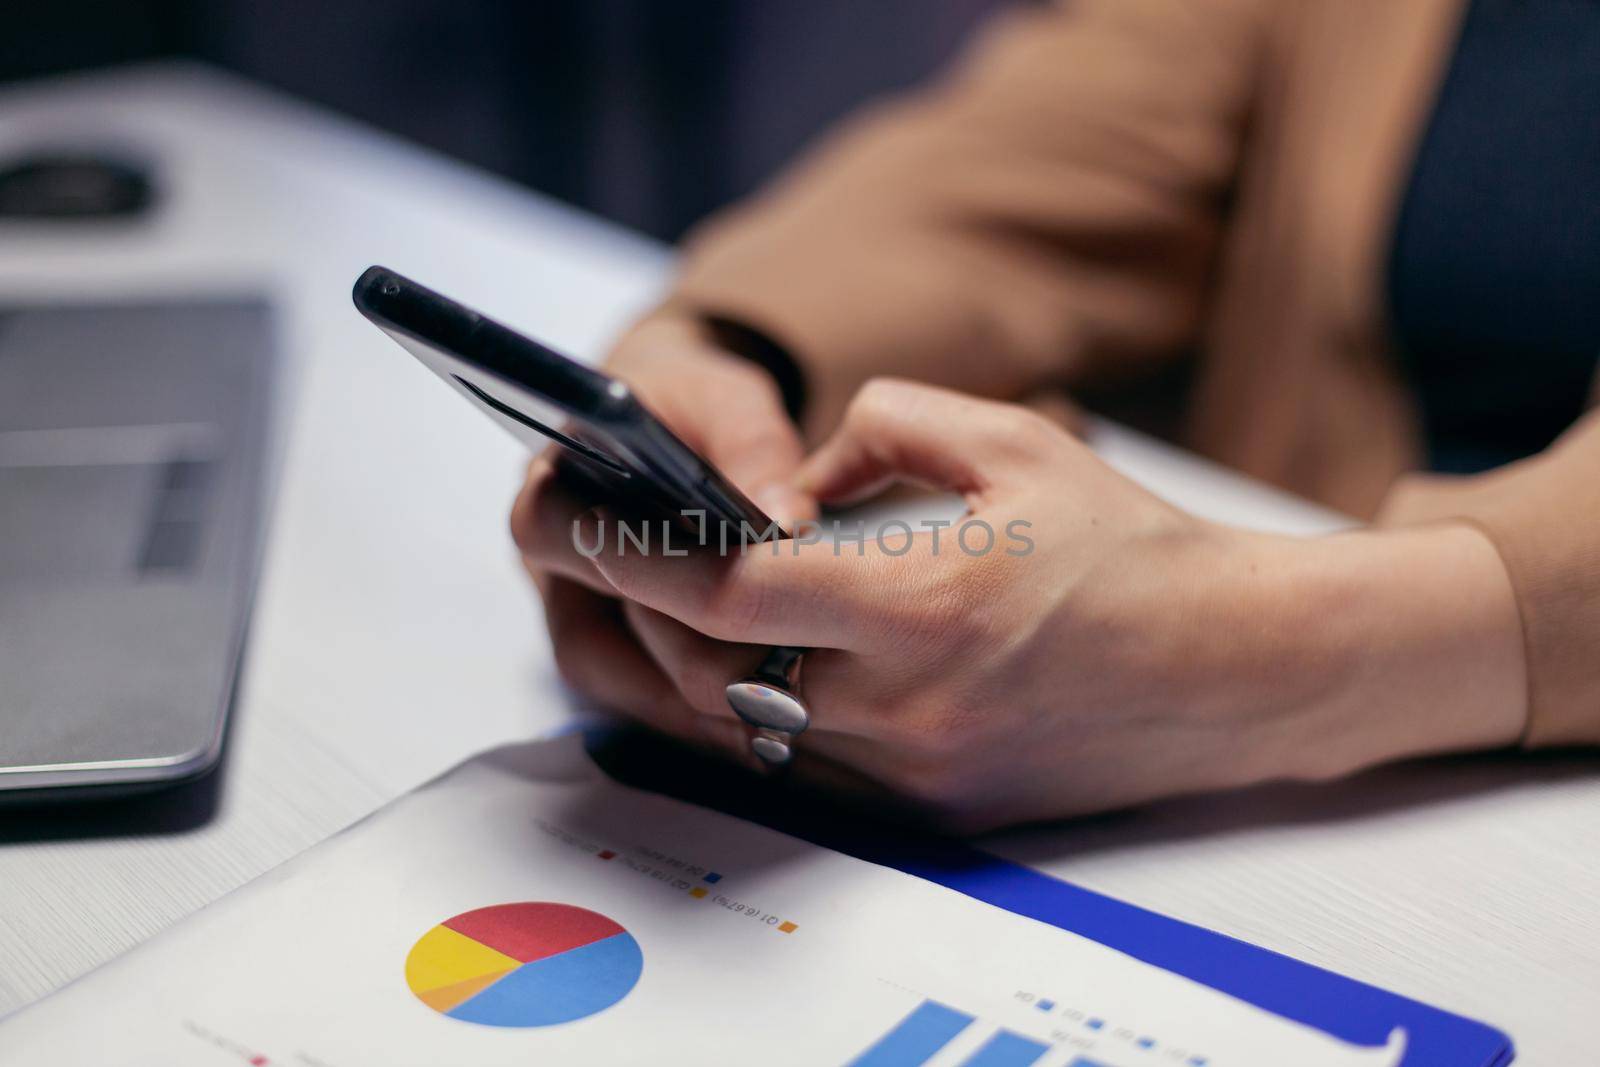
(748, 946)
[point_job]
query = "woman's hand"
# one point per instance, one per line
(727, 409)
(1131, 652)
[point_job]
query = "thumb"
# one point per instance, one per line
(754, 443)
(725, 407)
(904, 431)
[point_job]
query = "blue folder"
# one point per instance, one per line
(1332, 1003)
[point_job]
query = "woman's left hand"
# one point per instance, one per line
(1075, 643)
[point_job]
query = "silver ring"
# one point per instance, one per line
(769, 701)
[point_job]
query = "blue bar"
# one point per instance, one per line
(1006, 1049)
(1084, 1061)
(919, 1035)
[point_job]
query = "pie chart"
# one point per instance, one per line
(535, 963)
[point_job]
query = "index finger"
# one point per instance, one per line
(812, 594)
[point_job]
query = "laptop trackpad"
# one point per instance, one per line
(99, 520)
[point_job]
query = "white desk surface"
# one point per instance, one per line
(394, 634)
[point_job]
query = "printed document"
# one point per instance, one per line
(527, 909)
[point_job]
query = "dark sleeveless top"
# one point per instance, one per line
(1494, 274)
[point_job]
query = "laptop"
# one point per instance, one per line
(133, 441)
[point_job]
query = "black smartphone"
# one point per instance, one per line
(615, 451)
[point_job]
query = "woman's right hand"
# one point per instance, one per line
(730, 411)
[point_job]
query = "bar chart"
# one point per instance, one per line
(931, 1026)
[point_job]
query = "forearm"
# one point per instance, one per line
(1383, 645)
(1543, 515)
